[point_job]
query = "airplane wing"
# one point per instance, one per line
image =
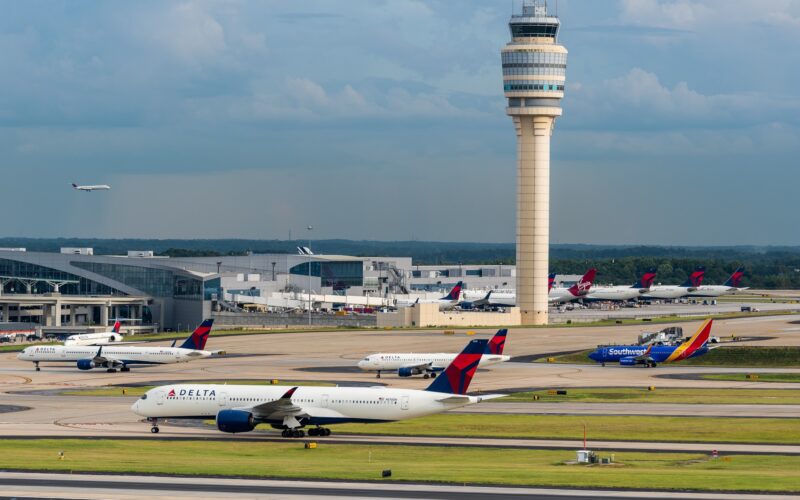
(455, 399)
(109, 361)
(280, 409)
(422, 367)
(645, 356)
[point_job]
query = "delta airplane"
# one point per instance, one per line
(731, 285)
(96, 187)
(577, 291)
(694, 282)
(650, 356)
(100, 338)
(447, 302)
(428, 364)
(113, 357)
(621, 293)
(239, 408)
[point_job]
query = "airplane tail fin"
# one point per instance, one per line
(117, 324)
(197, 340)
(735, 280)
(456, 377)
(497, 343)
(550, 280)
(647, 279)
(698, 340)
(455, 293)
(74, 185)
(696, 278)
(582, 287)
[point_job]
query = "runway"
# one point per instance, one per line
(37, 485)
(646, 409)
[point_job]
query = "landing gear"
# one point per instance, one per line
(112, 370)
(379, 374)
(37, 366)
(319, 432)
(603, 364)
(294, 433)
(433, 374)
(154, 421)
(124, 369)
(426, 376)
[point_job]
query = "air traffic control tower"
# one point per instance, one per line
(534, 68)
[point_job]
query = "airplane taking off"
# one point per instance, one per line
(694, 282)
(428, 364)
(624, 292)
(447, 302)
(97, 187)
(731, 285)
(239, 408)
(100, 338)
(650, 356)
(113, 357)
(577, 291)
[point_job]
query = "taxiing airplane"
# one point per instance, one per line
(447, 302)
(97, 187)
(429, 364)
(694, 282)
(650, 356)
(100, 338)
(621, 293)
(577, 291)
(731, 285)
(113, 357)
(239, 408)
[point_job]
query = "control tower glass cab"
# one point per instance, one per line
(534, 73)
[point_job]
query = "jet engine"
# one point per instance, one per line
(235, 421)
(86, 364)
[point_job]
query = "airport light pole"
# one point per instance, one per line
(309, 276)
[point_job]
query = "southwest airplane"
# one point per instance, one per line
(239, 408)
(621, 293)
(650, 356)
(97, 187)
(577, 291)
(731, 285)
(428, 364)
(113, 357)
(100, 338)
(694, 282)
(447, 302)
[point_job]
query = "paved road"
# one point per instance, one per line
(654, 409)
(124, 487)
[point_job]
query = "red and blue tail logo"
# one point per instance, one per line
(456, 377)
(647, 279)
(197, 340)
(497, 343)
(550, 280)
(455, 293)
(116, 327)
(735, 280)
(696, 278)
(582, 287)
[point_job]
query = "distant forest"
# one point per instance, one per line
(767, 267)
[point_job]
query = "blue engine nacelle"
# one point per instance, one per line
(86, 364)
(405, 372)
(235, 421)
(627, 361)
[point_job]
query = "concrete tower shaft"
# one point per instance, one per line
(534, 73)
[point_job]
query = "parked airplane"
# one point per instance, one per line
(619, 293)
(731, 285)
(694, 281)
(650, 356)
(576, 291)
(506, 298)
(100, 338)
(447, 302)
(239, 408)
(113, 357)
(429, 364)
(97, 187)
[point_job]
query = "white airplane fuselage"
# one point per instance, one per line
(320, 405)
(126, 355)
(98, 187)
(615, 293)
(394, 361)
(100, 338)
(667, 292)
(712, 291)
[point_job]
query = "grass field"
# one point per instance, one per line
(139, 390)
(732, 356)
(684, 396)
(671, 471)
(762, 377)
(599, 427)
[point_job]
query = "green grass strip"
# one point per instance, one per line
(681, 396)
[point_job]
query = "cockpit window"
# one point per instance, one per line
(144, 396)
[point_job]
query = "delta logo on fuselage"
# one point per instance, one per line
(205, 393)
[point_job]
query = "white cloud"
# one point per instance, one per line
(189, 32)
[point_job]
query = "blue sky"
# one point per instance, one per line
(384, 120)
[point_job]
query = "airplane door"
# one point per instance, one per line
(324, 402)
(160, 398)
(222, 398)
(404, 402)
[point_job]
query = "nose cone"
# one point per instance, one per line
(594, 355)
(23, 354)
(135, 407)
(505, 358)
(363, 364)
